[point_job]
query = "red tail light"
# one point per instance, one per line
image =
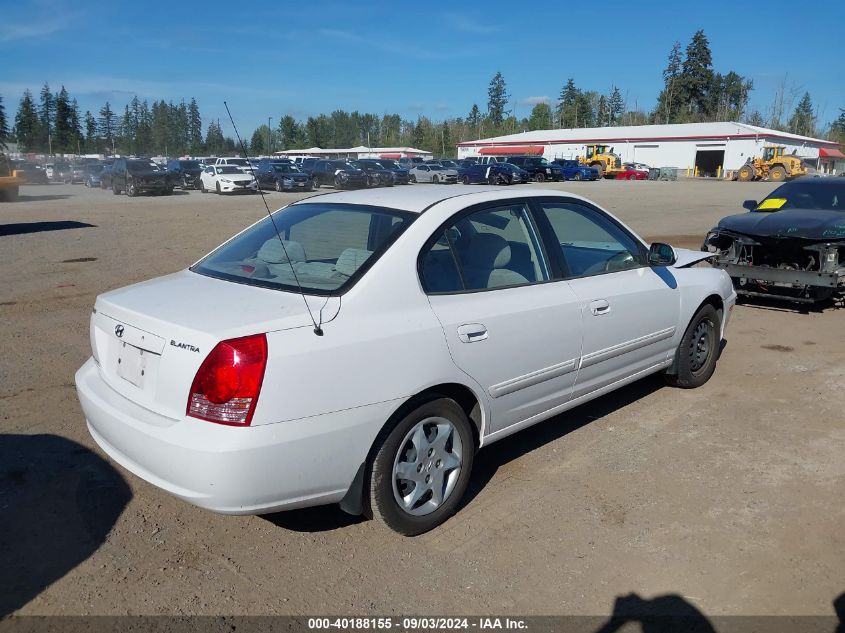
(226, 387)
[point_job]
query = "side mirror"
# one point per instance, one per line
(749, 205)
(660, 254)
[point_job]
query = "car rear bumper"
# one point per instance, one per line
(232, 470)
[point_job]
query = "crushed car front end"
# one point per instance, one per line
(796, 269)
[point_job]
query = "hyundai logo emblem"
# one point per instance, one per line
(118, 330)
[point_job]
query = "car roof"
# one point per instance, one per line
(418, 198)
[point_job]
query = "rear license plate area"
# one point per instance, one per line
(132, 364)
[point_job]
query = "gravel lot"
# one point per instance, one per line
(730, 496)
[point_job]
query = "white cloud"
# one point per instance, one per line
(41, 28)
(532, 101)
(467, 24)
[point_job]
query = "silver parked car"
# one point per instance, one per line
(435, 174)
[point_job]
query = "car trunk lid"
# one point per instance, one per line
(149, 339)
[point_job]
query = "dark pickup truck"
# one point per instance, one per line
(138, 175)
(537, 167)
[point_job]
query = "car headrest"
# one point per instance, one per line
(487, 250)
(351, 260)
(272, 252)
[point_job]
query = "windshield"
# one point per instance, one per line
(141, 165)
(284, 168)
(389, 164)
(228, 169)
(806, 194)
(242, 162)
(324, 243)
(437, 168)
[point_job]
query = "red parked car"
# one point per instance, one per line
(632, 174)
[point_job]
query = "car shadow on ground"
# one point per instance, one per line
(490, 459)
(22, 197)
(779, 305)
(58, 502)
(22, 228)
(316, 519)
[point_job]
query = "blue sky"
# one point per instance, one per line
(433, 58)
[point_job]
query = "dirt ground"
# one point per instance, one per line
(729, 496)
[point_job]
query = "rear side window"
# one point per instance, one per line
(492, 248)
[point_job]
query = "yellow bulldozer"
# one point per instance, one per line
(773, 165)
(10, 180)
(602, 158)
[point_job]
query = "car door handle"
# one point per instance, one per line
(599, 307)
(472, 332)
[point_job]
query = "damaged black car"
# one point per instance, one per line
(790, 246)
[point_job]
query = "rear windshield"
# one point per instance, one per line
(806, 194)
(141, 165)
(327, 247)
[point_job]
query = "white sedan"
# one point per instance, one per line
(360, 348)
(226, 179)
(434, 173)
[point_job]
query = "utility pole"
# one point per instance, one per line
(269, 137)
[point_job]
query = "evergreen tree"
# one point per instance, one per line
(837, 128)
(602, 112)
(107, 126)
(4, 125)
(474, 116)
(667, 104)
(696, 78)
(195, 144)
(27, 126)
(215, 144)
(258, 143)
(63, 140)
(76, 137)
(615, 106)
(90, 132)
(803, 121)
(46, 112)
(541, 117)
(497, 99)
(567, 109)
(446, 145)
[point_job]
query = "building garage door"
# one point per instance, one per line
(708, 161)
(648, 154)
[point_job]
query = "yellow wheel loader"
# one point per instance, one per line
(773, 165)
(10, 180)
(602, 158)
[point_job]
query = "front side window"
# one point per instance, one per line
(590, 242)
(491, 248)
(324, 246)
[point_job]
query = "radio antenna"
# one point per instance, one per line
(317, 329)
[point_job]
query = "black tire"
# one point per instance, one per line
(103, 185)
(338, 183)
(115, 190)
(217, 187)
(698, 351)
(777, 173)
(12, 194)
(599, 168)
(465, 180)
(577, 176)
(539, 178)
(278, 186)
(746, 173)
(131, 189)
(412, 178)
(435, 180)
(202, 187)
(382, 502)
